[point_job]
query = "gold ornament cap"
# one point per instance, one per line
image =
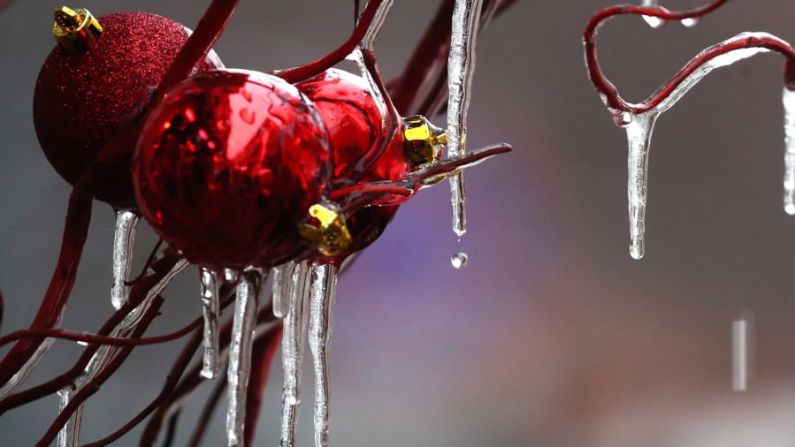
(331, 237)
(423, 140)
(75, 30)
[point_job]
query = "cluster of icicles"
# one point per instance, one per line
(303, 292)
(638, 120)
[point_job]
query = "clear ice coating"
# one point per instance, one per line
(123, 239)
(376, 24)
(321, 299)
(70, 433)
(689, 22)
(67, 437)
(282, 278)
(372, 86)
(459, 260)
(240, 347)
(211, 307)
(654, 22)
(789, 154)
(293, 341)
(639, 127)
(461, 67)
(23, 373)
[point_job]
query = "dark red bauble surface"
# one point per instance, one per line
(228, 165)
(82, 99)
(353, 122)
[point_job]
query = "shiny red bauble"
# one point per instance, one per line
(228, 165)
(83, 97)
(354, 124)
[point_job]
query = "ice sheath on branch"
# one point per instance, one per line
(639, 119)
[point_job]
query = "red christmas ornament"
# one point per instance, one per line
(227, 167)
(96, 81)
(354, 124)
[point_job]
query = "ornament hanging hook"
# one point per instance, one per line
(75, 30)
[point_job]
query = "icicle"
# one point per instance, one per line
(240, 346)
(459, 260)
(639, 127)
(461, 67)
(740, 355)
(282, 277)
(293, 339)
(123, 238)
(210, 312)
(789, 155)
(654, 22)
(323, 288)
(70, 433)
(639, 132)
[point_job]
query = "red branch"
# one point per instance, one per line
(192, 380)
(94, 384)
(177, 371)
(171, 382)
(318, 66)
(207, 412)
(95, 339)
(138, 293)
(609, 92)
(263, 351)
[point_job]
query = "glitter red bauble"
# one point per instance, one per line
(353, 121)
(83, 98)
(228, 165)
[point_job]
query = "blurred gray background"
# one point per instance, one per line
(552, 335)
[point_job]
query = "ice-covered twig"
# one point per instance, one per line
(639, 119)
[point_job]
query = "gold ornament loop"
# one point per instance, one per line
(75, 30)
(423, 141)
(331, 237)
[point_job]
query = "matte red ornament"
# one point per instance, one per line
(228, 165)
(83, 97)
(354, 124)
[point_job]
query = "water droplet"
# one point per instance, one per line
(459, 260)
(248, 115)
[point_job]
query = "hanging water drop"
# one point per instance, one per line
(689, 22)
(210, 312)
(654, 22)
(461, 67)
(240, 346)
(459, 260)
(123, 238)
(789, 154)
(323, 288)
(639, 132)
(293, 341)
